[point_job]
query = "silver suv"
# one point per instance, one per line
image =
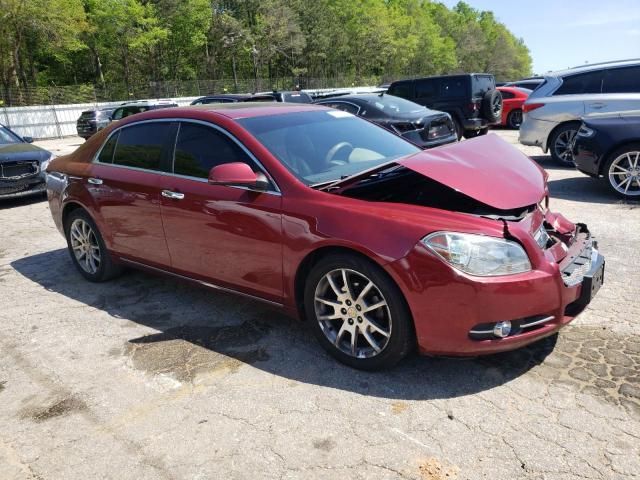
(553, 111)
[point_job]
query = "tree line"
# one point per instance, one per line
(133, 42)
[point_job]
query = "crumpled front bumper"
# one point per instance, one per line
(449, 307)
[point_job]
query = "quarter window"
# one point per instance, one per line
(622, 80)
(506, 95)
(141, 146)
(200, 148)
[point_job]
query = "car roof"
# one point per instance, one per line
(453, 75)
(594, 67)
(226, 95)
(234, 111)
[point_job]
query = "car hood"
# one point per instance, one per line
(486, 169)
(22, 151)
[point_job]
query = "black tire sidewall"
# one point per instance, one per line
(487, 106)
(552, 144)
(402, 340)
(107, 269)
(510, 119)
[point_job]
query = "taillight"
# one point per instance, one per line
(527, 107)
(474, 106)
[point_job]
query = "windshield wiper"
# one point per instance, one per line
(378, 172)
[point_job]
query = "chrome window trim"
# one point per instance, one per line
(277, 190)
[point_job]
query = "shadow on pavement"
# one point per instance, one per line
(200, 329)
(6, 203)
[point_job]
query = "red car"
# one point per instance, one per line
(512, 100)
(380, 246)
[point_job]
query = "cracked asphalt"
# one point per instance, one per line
(147, 377)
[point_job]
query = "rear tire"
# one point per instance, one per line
(561, 144)
(514, 119)
(87, 249)
(338, 292)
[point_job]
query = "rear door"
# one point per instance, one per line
(125, 185)
(620, 91)
(229, 235)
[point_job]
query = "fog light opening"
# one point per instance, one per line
(502, 329)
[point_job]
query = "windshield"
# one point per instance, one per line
(324, 146)
(8, 137)
(390, 105)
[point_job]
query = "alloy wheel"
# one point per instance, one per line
(564, 144)
(85, 246)
(352, 313)
(624, 173)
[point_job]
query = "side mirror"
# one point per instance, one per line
(28, 139)
(238, 174)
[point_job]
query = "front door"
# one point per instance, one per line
(230, 236)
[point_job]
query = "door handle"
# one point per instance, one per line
(172, 195)
(598, 105)
(94, 181)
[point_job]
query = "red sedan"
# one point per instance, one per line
(380, 246)
(512, 100)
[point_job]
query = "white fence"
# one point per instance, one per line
(50, 121)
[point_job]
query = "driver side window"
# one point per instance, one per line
(117, 115)
(200, 148)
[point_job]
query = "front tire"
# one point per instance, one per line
(561, 144)
(358, 313)
(87, 248)
(622, 171)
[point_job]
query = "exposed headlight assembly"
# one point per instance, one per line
(478, 254)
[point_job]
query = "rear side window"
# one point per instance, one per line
(426, 88)
(622, 80)
(142, 146)
(345, 107)
(106, 154)
(482, 84)
(200, 148)
(590, 82)
(403, 90)
(453, 87)
(506, 95)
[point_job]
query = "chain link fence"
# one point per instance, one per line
(83, 93)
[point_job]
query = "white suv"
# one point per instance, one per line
(553, 111)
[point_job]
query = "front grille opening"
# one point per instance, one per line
(15, 170)
(484, 331)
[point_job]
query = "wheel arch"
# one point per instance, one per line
(315, 256)
(613, 149)
(558, 127)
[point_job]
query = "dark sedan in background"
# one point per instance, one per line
(275, 96)
(22, 165)
(609, 147)
(424, 127)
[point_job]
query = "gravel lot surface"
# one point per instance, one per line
(147, 377)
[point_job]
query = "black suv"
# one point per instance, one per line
(471, 99)
(92, 121)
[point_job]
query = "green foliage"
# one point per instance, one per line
(135, 43)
